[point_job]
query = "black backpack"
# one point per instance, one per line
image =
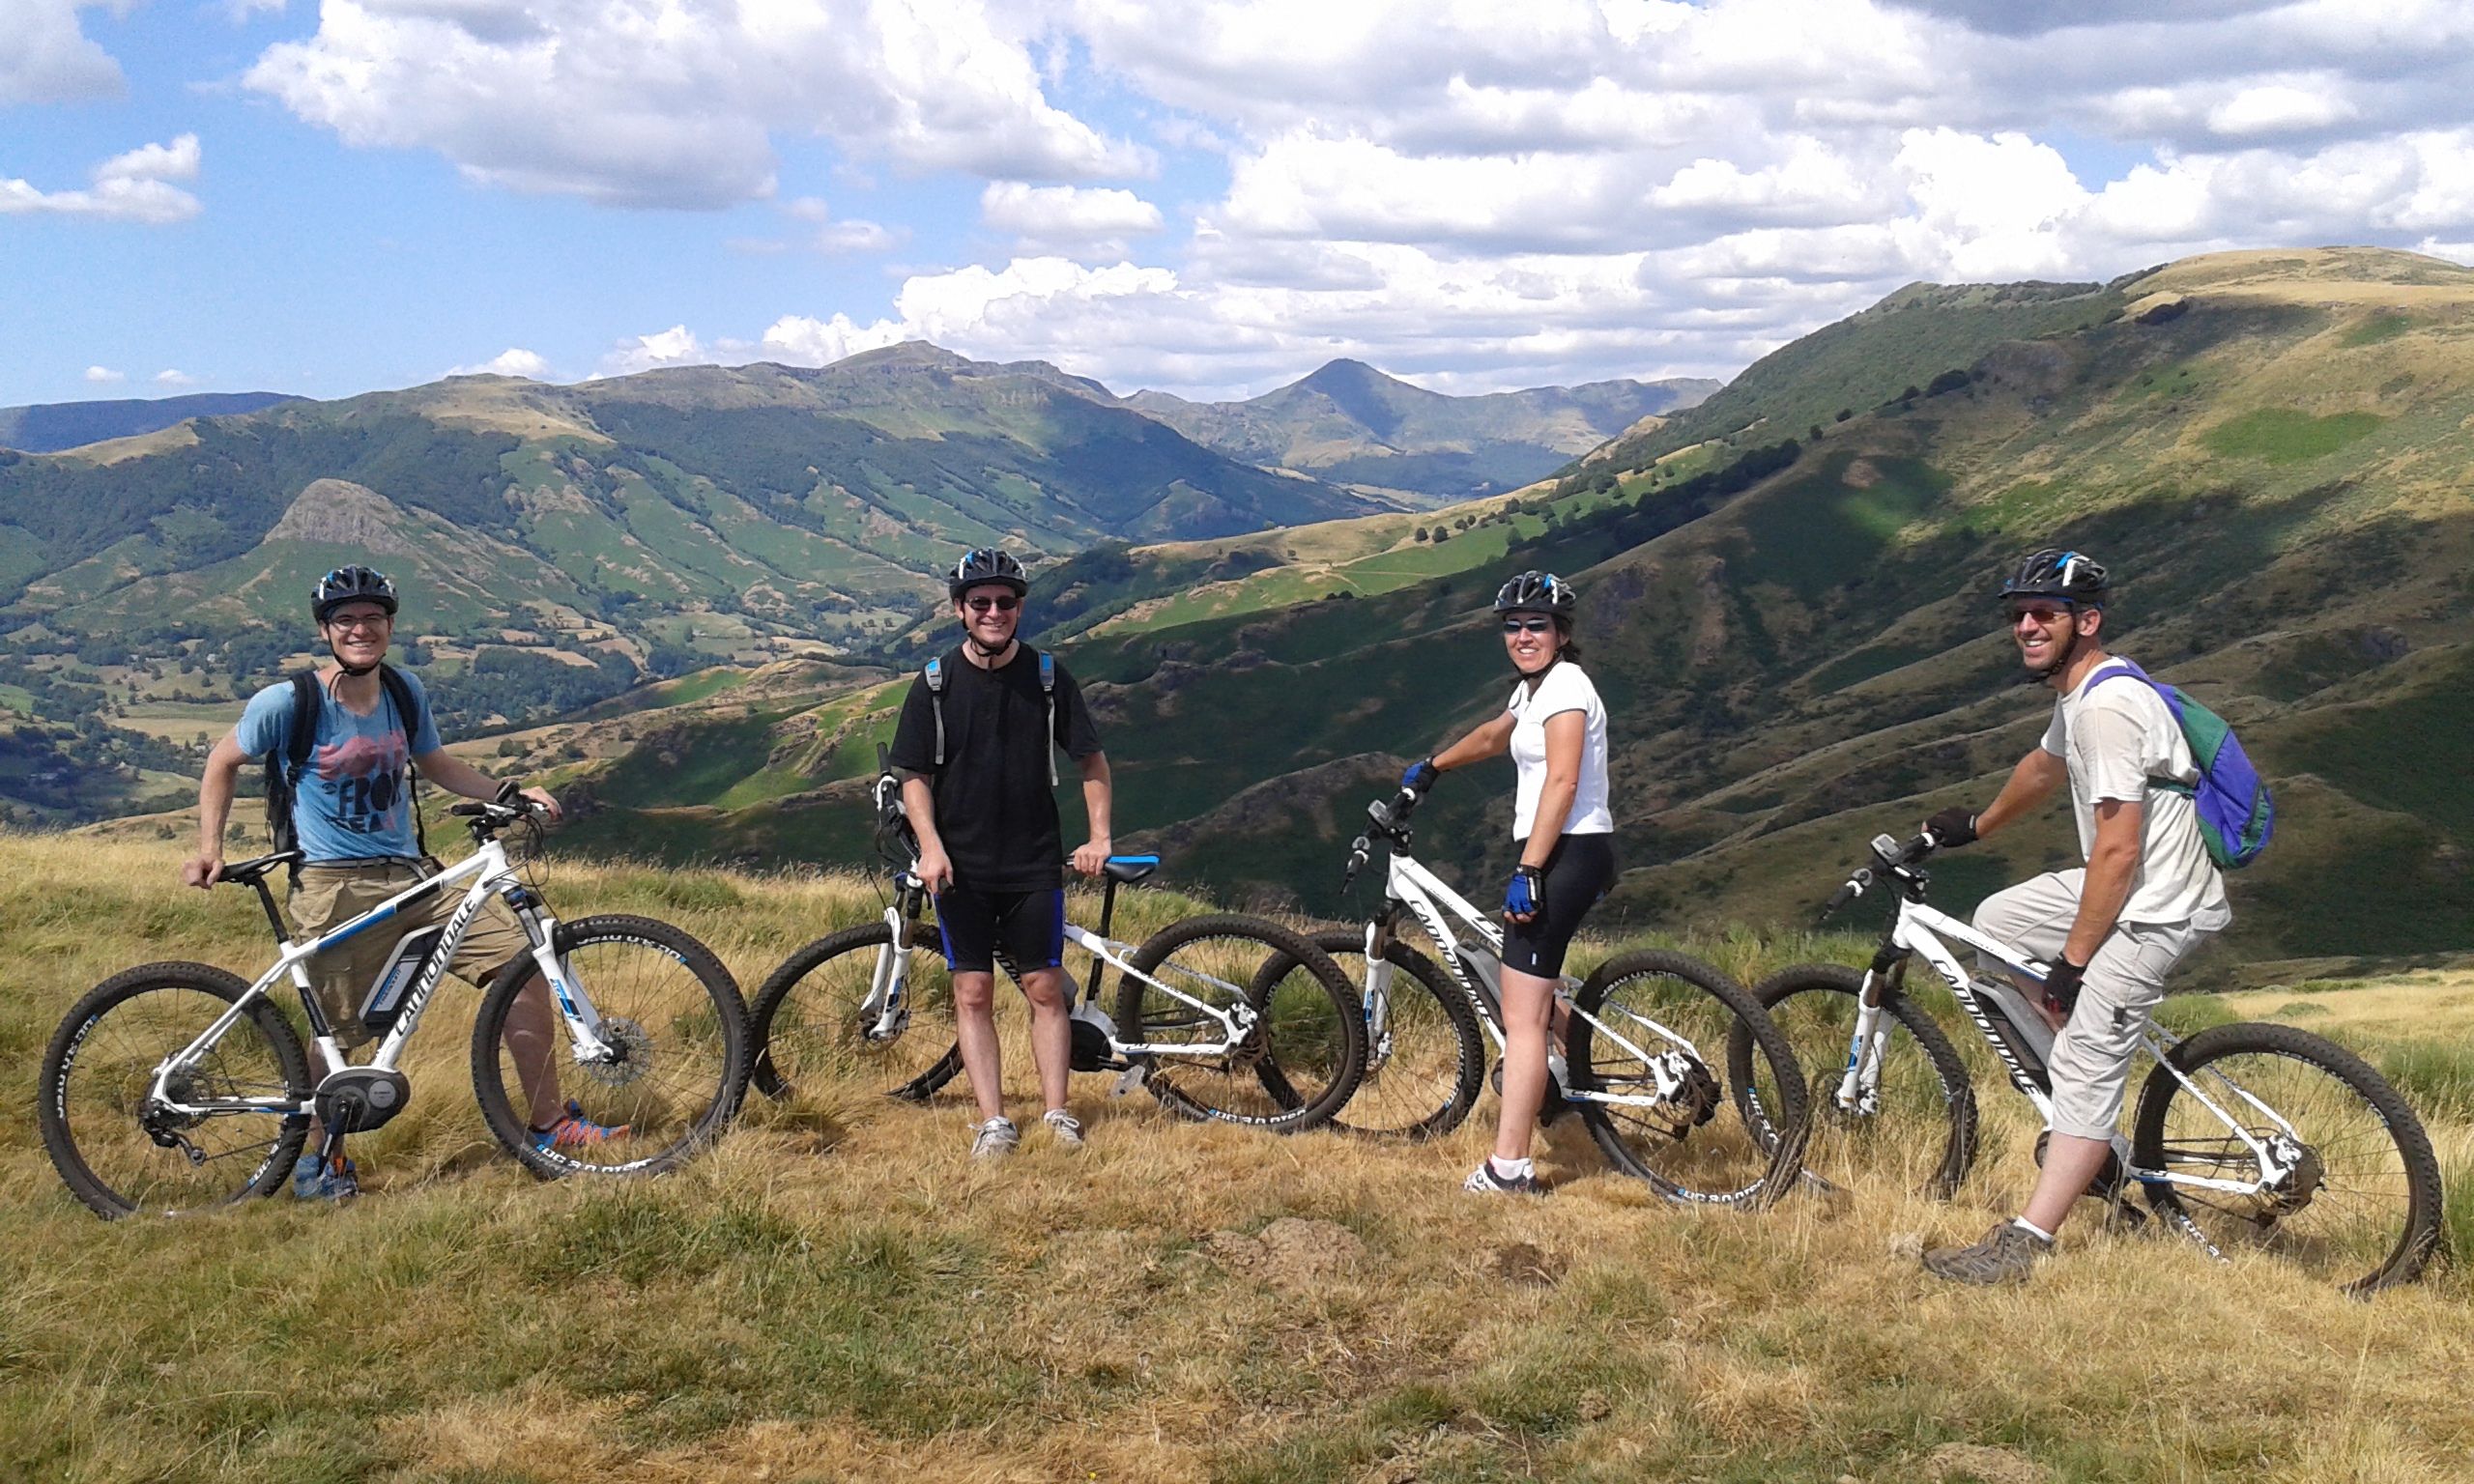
(285, 768)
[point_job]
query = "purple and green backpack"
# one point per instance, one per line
(2237, 812)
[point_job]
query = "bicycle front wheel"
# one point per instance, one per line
(2357, 1198)
(814, 1028)
(1912, 1113)
(675, 1035)
(1291, 1067)
(1424, 1056)
(1647, 1048)
(119, 1152)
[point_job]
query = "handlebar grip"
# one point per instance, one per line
(467, 811)
(1838, 899)
(884, 759)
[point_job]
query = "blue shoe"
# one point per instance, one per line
(312, 1180)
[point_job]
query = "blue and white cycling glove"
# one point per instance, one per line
(1419, 776)
(1526, 893)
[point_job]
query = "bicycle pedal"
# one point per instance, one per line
(1129, 1079)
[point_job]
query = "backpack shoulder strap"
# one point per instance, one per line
(302, 739)
(409, 715)
(1047, 689)
(933, 672)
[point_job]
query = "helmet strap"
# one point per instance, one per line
(983, 651)
(2060, 665)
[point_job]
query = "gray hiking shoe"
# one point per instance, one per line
(2004, 1256)
(1065, 1126)
(995, 1139)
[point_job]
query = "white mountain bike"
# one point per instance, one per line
(1196, 1020)
(175, 1086)
(1643, 1042)
(2248, 1136)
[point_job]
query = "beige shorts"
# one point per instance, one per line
(2092, 1055)
(330, 895)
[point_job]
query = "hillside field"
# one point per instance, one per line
(838, 1293)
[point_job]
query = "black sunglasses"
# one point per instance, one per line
(1003, 603)
(1538, 625)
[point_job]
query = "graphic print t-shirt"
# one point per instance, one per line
(350, 802)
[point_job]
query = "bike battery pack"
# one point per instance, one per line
(403, 968)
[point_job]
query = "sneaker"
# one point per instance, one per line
(2004, 1256)
(1483, 1180)
(995, 1139)
(312, 1180)
(574, 1131)
(1065, 1126)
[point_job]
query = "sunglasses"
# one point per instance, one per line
(2044, 613)
(1528, 625)
(1003, 603)
(370, 623)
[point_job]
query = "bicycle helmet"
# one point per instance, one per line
(2054, 573)
(1536, 592)
(351, 585)
(987, 564)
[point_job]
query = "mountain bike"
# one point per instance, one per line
(1644, 1038)
(2244, 1136)
(175, 1086)
(1196, 1021)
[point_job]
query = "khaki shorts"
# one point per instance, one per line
(330, 895)
(2092, 1055)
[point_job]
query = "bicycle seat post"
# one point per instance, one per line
(274, 915)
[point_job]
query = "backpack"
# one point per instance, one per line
(2237, 812)
(285, 771)
(935, 674)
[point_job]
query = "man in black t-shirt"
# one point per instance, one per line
(979, 786)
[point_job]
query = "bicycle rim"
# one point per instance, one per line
(2361, 1211)
(816, 1034)
(1425, 1067)
(1291, 1071)
(102, 1069)
(1910, 1125)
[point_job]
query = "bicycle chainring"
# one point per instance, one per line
(631, 1053)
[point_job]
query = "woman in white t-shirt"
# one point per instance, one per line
(1555, 729)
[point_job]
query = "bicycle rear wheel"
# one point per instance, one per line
(676, 1032)
(1423, 1070)
(121, 1156)
(2360, 1206)
(810, 1032)
(1294, 1067)
(1662, 1022)
(1915, 1118)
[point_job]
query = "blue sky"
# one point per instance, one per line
(332, 196)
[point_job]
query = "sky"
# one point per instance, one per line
(1210, 197)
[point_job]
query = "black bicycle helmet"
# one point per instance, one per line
(2054, 573)
(351, 585)
(1536, 592)
(984, 565)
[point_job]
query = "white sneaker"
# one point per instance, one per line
(1065, 1126)
(995, 1139)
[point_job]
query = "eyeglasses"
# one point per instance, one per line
(1528, 625)
(366, 623)
(2046, 614)
(1003, 603)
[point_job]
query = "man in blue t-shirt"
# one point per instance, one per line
(351, 815)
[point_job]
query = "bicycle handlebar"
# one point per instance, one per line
(1889, 855)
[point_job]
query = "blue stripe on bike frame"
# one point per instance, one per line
(352, 929)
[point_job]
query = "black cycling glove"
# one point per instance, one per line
(1419, 776)
(2061, 986)
(1952, 827)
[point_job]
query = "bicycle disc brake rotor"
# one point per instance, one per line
(1695, 1099)
(631, 1053)
(2290, 1194)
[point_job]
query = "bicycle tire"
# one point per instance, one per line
(1422, 1081)
(1926, 1110)
(2380, 1123)
(1297, 1065)
(805, 1026)
(1697, 1145)
(83, 1042)
(682, 1031)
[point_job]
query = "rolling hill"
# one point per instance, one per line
(1350, 423)
(1790, 611)
(48, 427)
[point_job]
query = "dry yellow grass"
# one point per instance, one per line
(837, 1292)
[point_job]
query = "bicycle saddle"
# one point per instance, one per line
(247, 872)
(1129, 869)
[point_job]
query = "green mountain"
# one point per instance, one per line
(48, 427)
(556, 543)
(1352, 424)
(1791, 614)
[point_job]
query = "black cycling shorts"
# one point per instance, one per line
(1026, 927)
(1580, 872)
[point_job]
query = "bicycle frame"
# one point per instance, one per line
(1477, 970)
(489, 873)
(2001, 1011)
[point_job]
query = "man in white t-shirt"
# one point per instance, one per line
(2112, 931)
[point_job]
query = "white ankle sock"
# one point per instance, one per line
(2030, 1228)
(1512, 1169)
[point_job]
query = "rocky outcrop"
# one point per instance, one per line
(337, 512)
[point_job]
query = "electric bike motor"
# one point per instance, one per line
(359, 1099)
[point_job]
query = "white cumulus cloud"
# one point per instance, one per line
(104, 375)
(1070, 218)
(172, 378)
(514, 361)
(136, 186)
(50, 58)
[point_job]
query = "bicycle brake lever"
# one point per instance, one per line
(1846, 893)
